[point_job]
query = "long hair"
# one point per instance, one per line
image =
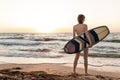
(81, 18)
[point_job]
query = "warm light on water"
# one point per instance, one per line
(29, 48)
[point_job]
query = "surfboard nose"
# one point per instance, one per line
(70, 48)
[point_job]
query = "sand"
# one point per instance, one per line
(56, 72)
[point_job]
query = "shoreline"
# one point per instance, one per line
(91, 67)
(66, 69)
(98, 68)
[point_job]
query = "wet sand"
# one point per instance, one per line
(53, 72)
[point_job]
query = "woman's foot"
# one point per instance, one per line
(86, 74)
(74, 74)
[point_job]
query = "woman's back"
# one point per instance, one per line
(79, 28)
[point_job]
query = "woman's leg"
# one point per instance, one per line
(86, 60)
(76, 61)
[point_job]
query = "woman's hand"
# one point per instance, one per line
(90, 45)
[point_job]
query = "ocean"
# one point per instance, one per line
(35, 48)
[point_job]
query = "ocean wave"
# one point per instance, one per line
(31, 55)
(18, 44)
(107, 51)
(13, 38)
(50, 39)
(104, 55)
(37, 50)
(115, 41)
(103, 47)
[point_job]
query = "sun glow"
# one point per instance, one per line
(44, 29)
(48, 16)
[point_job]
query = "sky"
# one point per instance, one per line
(57, 15)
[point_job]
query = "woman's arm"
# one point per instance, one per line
(73, 32)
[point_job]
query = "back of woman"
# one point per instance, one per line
(79, 28)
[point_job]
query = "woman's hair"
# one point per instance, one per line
(81, 18)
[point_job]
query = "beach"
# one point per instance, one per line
(34, 35)
(28, 56)
(10, 71)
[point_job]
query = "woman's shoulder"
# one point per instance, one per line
(85, 25)
(75, 25)
(80, 25)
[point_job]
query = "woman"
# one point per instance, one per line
(78, 29)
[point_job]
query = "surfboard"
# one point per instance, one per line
(80, 42)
